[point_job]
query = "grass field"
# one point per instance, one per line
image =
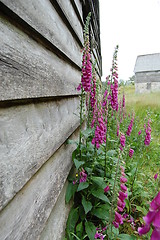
(146, 105)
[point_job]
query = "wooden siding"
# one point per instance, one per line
(40, 68)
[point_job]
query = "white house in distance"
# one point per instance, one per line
(147, 73)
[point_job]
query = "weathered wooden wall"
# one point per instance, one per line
(147, 73)
(147, 82)
(40, 68)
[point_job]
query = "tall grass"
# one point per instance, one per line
(147, 104)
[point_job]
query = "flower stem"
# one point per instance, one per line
(134, 177)
(113, 195)
(106, 148)
(81, 121)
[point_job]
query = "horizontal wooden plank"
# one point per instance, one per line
(56, 224)
(97, 63)
(25, 216)
(78, 5)
(29, 70)
(42, 16)
(72, 17)
(29, 135)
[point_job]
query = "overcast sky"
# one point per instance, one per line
(132, 24)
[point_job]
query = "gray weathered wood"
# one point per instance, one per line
(25, 216)
(28, 70)
(55, 225)
(29, 135)
(68, 10)
(147, 77)
(79, 7)
(50, 24)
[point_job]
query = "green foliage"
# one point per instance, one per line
(95, 185)
(87, 205)
(82, 185)
(99, 193)
(71, 189)
(90, 230)
(71, 222)
(126, 237)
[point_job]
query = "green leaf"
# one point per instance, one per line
(102, 212)
(82, 213)
(89, 170)
(127, 205)
(126, 237)
(87, 205)
(71, 222)
(110, 153)
(90, 230)
(78, 163)
(143, 210)
(82, 186)
(71, 189)
(79, 230)
(86, 133)
(75, 153)
(115, 232)
(100, 195)
(99, 181)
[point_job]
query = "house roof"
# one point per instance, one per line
(147, 63)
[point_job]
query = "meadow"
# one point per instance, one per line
(147, 105)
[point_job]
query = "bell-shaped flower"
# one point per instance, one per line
(144, 229)
(155, 234)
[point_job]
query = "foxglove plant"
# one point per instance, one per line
(122, 141)
(114, 81)
(100, 130)
(152, 217)
(121, 200)
(148, 133)
(129, 130)
(85, 85)
(131, 151)
(86, 62)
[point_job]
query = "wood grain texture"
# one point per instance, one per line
(29, 135)
(69, 12)
(29, 70)
(25, 216)
(56, 223)
(43, 17)
(78, 5)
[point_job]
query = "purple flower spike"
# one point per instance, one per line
(83, 176)
(144, 229)
(116, 225)
(139, 133)
(122, 140)
(131, 151)
(155, 204)
(148, 134)
(123, 179)
(155, 176)
(123, 187)
(122, 195)
(129, 130)
(155, 234)
(149, 217)
(106, 189)
(152, 217)
(118, 218)
(156, 221)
